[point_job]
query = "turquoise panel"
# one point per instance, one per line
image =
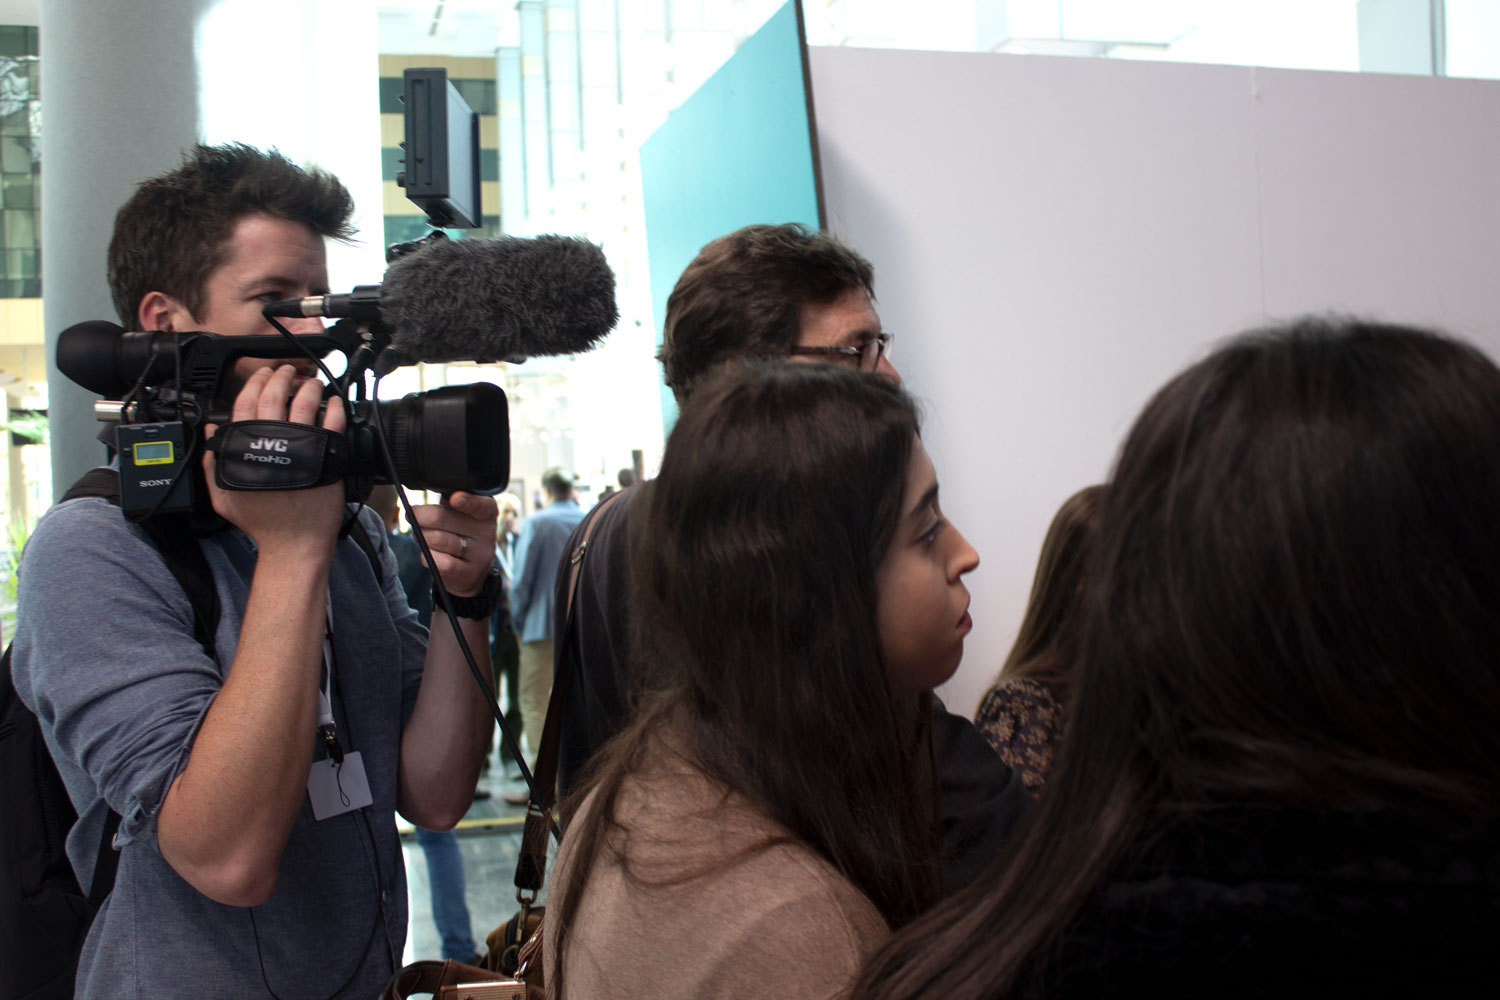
(739, 151)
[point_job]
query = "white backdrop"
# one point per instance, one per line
(1053, 238)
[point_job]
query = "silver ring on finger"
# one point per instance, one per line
(463, 546)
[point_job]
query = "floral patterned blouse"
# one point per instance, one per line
(1022, 721)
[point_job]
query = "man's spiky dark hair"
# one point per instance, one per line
(172, 233)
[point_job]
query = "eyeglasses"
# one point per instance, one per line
(868, 354)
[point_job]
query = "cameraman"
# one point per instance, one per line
(228, 883)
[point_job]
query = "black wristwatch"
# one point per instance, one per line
(478, 607)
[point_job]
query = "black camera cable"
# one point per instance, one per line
(336, 391)
(361, 815)
(389, 463)
(191, 452)
(332, 382)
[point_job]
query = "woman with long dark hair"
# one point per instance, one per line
(1021, 713)
(770, 811)
(1281, 773)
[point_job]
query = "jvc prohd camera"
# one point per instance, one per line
(163, 388)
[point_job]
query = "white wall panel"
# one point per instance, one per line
(1053, 238)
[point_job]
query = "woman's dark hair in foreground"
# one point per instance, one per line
(1296, 604)
(1053, 608)
(754, 582)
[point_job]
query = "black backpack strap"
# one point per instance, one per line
(179, 549)
(100, 482)
(107, 863)
(362, 539)
(183, 555)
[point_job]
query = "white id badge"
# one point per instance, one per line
(336, 788)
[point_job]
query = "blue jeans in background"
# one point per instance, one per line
(445, 876)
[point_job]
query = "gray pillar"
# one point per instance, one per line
(120, 103)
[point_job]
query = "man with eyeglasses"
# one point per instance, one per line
(760, 292)
(873, 355)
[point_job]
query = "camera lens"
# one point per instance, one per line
(453, 438)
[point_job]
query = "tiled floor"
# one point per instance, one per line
(489, 838)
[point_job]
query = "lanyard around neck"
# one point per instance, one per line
(328, 730)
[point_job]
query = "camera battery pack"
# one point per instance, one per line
(154, 478)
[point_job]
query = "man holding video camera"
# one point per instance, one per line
(257, 787)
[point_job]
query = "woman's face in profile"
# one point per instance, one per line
(922, 609)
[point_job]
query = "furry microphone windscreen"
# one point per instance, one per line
(488, 300)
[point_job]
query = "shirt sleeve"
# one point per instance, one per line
(412, 635)
(105, 641)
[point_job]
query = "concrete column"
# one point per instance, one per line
(120, 102)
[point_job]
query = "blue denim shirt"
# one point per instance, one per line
(105, 655)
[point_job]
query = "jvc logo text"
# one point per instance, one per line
(268, 444)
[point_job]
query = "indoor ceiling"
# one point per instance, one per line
(447, 27)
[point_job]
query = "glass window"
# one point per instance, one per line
(20, 230)
(15, 154)
(20, 264)
(18, 191)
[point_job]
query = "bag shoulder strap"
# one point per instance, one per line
(362, 539)
(179, 549)
(531, 866)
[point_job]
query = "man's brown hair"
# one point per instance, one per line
(742, 298)
(172, 233)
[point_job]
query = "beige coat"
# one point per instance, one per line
(738, 919)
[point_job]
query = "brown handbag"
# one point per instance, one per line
(456, 981)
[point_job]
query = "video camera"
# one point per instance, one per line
(164, 388)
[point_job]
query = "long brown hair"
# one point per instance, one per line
(1056, 597)
(754, 585)
(1297, 604)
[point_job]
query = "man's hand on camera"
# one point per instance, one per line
(460, 532)
(304, 519)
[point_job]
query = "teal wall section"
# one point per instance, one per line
(739, 151)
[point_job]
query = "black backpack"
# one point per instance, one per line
(44, 915)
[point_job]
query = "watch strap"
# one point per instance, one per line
(481, 605)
